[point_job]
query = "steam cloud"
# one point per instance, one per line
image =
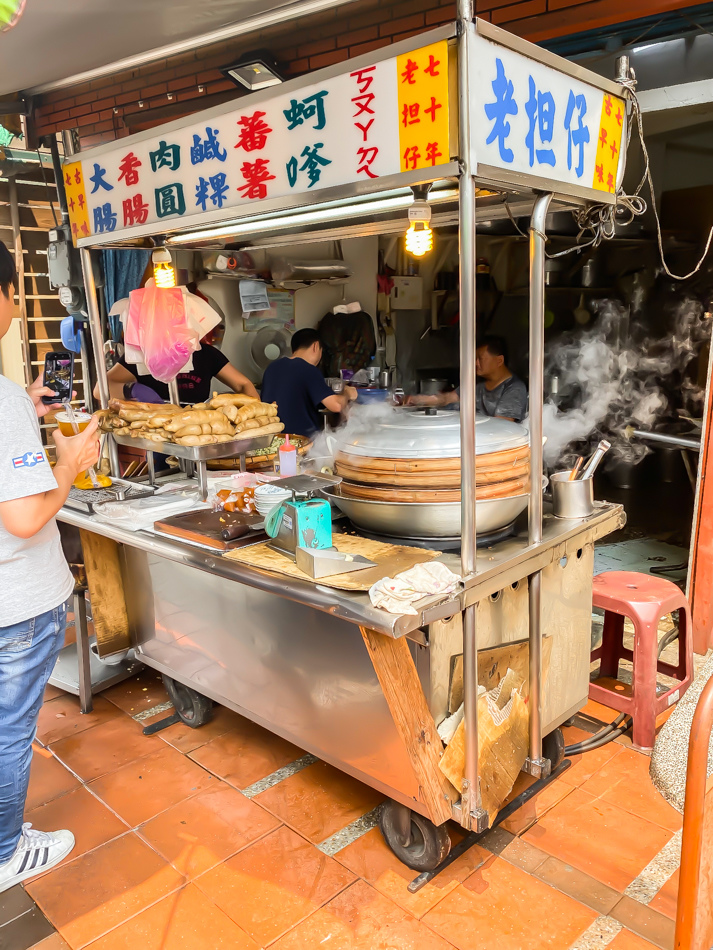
(609, 386)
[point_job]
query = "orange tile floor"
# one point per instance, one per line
(229, 837)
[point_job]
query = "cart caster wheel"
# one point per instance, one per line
(415, 840)
(553, 747)
(193, 707)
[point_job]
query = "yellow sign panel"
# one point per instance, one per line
(76, 200)
(611, 126)
(422, 78)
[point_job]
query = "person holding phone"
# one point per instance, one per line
(35, 583)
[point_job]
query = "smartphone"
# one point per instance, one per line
(58, 376)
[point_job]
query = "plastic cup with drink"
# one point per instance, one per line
(70, 424)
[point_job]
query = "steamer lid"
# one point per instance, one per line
(414, 433)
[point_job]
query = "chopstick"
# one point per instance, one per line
(575, 470)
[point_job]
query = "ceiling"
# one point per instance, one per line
(56, 39)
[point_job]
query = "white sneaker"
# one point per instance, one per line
(36, 851)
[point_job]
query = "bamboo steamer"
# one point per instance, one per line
(490, 470)
(513, 486)
(413, 459)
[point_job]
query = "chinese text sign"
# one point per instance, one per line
(364, 124)
(533, 119)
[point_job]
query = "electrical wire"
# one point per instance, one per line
(598, 222)
(44, 179)
(615, 729)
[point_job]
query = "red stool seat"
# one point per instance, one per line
(644, 599)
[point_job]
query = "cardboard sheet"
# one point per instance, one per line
(390, 559)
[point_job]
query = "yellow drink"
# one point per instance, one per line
(82, 419)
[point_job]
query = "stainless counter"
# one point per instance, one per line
(288, 654)
(496, 567)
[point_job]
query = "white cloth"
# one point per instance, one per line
(397, 594)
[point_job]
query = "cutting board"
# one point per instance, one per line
(204, 527)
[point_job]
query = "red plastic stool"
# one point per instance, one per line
(644, 599)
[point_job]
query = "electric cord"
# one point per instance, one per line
(615, 729)
(47, 188)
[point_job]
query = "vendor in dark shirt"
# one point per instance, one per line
(195, 386)
(298, 387)
(497, 393)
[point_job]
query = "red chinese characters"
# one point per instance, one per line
(253, 132)
(422, 82)
(252, 137)
(364, 119)
(128, 170)
(135, 210)
(256, 175)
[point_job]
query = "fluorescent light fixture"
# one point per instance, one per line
(331, 211)
(255, 70)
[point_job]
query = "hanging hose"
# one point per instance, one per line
(615, 729)
(667, 639)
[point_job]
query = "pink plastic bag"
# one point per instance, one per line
(157, 326)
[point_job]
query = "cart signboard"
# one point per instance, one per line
(370, 121)
(553, 127)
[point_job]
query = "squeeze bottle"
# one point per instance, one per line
(288, 459)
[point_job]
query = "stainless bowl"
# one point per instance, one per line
(426, 520)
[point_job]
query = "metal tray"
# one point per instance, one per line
(84, 499)
(198, 453)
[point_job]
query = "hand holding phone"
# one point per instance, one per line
(58, 376)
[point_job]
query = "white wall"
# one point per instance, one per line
(311, 303)
(11, 362)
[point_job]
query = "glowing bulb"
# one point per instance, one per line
(419, 239)
(163, 272)
(164, 275)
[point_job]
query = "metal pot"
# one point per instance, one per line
(432, 386)
(431, 520)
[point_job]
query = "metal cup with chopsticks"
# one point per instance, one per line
(573, 491)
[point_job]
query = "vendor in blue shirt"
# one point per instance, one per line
(296, 384)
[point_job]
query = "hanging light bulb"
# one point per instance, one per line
(419, 237)
(163, 270)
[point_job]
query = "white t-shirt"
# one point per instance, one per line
(34, 576)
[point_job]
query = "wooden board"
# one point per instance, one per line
(390, 559)
(106, 592)
(516, 486)
(396, 672)
(204, 527)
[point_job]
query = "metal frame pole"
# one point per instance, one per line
(535, 764)
(95, 328)
(95, 325)
(471, 813)
(20, 268)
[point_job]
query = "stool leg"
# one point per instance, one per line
(645, 649)
(612, 644)
(684, 639)
(84, 669)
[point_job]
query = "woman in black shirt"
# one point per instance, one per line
(193, 386)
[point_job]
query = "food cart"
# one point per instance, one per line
(483, 118)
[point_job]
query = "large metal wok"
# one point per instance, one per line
(431, 520)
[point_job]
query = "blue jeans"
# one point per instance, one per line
(28, 653)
